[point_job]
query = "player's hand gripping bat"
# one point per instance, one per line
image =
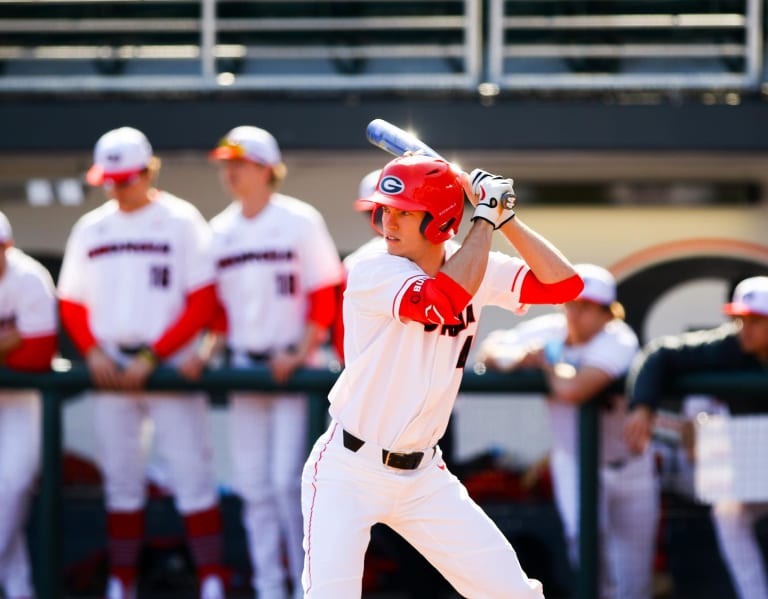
(397, 141)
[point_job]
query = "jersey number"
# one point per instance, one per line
(159, 276)
(286, 284)
(464, 353)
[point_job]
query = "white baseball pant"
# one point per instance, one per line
(179, 424)
(628, 516)
(735, 528)
(20, 439)
(268, 439)
(345, 493)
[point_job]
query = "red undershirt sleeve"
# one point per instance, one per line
(534, 291)
(74, 318)
(197, 315)
(219, 323)
(322, 306)
(34, 354)
(337, 328)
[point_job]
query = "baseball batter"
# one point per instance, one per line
(277, 272)
(582, 350)
(410, 313)
(422, 581)
(740, 345)
(27, 342)
(136, 286)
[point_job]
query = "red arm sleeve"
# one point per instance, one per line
(74, 318)
(434, 301)
(34, 354)
(197, 314)
(219, 323)
(337, 328)
(534, 291)
(322, 306)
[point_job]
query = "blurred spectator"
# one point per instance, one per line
(136, 287)
(277, 269)
(582, 350)
(735, 346)
(27, 342)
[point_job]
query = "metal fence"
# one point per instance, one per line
(57, 386)
(625, 44)
(284, 45)
(199, 45)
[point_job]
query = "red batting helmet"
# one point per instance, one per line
(425, 184)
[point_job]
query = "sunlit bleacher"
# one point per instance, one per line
(208, 44)
(140, 45)
(631, 44)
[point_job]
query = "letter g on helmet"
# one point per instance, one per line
(391, 185)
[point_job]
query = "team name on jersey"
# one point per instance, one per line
(140, 247)
(262, 256)
(467, 317)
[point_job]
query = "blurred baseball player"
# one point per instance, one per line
(277, 271)
(410, 314)
(136, 286)
(27, 342)
(738, 345)
(582, 350)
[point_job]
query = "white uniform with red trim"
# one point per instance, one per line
(133, 272)
(629, 498)
(28, 303)
(396, 394)
(267, 266)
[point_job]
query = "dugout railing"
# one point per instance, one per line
(57, 386)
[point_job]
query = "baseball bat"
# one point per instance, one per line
(397, 141)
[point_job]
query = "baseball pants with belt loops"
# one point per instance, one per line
(345, 492)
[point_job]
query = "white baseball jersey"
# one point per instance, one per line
(267, 266)
(134, 270)
(372, 245)
(611, 351)
(407, 406)
(27, 296)
(28, 303)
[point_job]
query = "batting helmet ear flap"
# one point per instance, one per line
(436, 232)
(428, 218)
(376, 218)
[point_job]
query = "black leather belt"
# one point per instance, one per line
(401, 461)
(130, 350)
